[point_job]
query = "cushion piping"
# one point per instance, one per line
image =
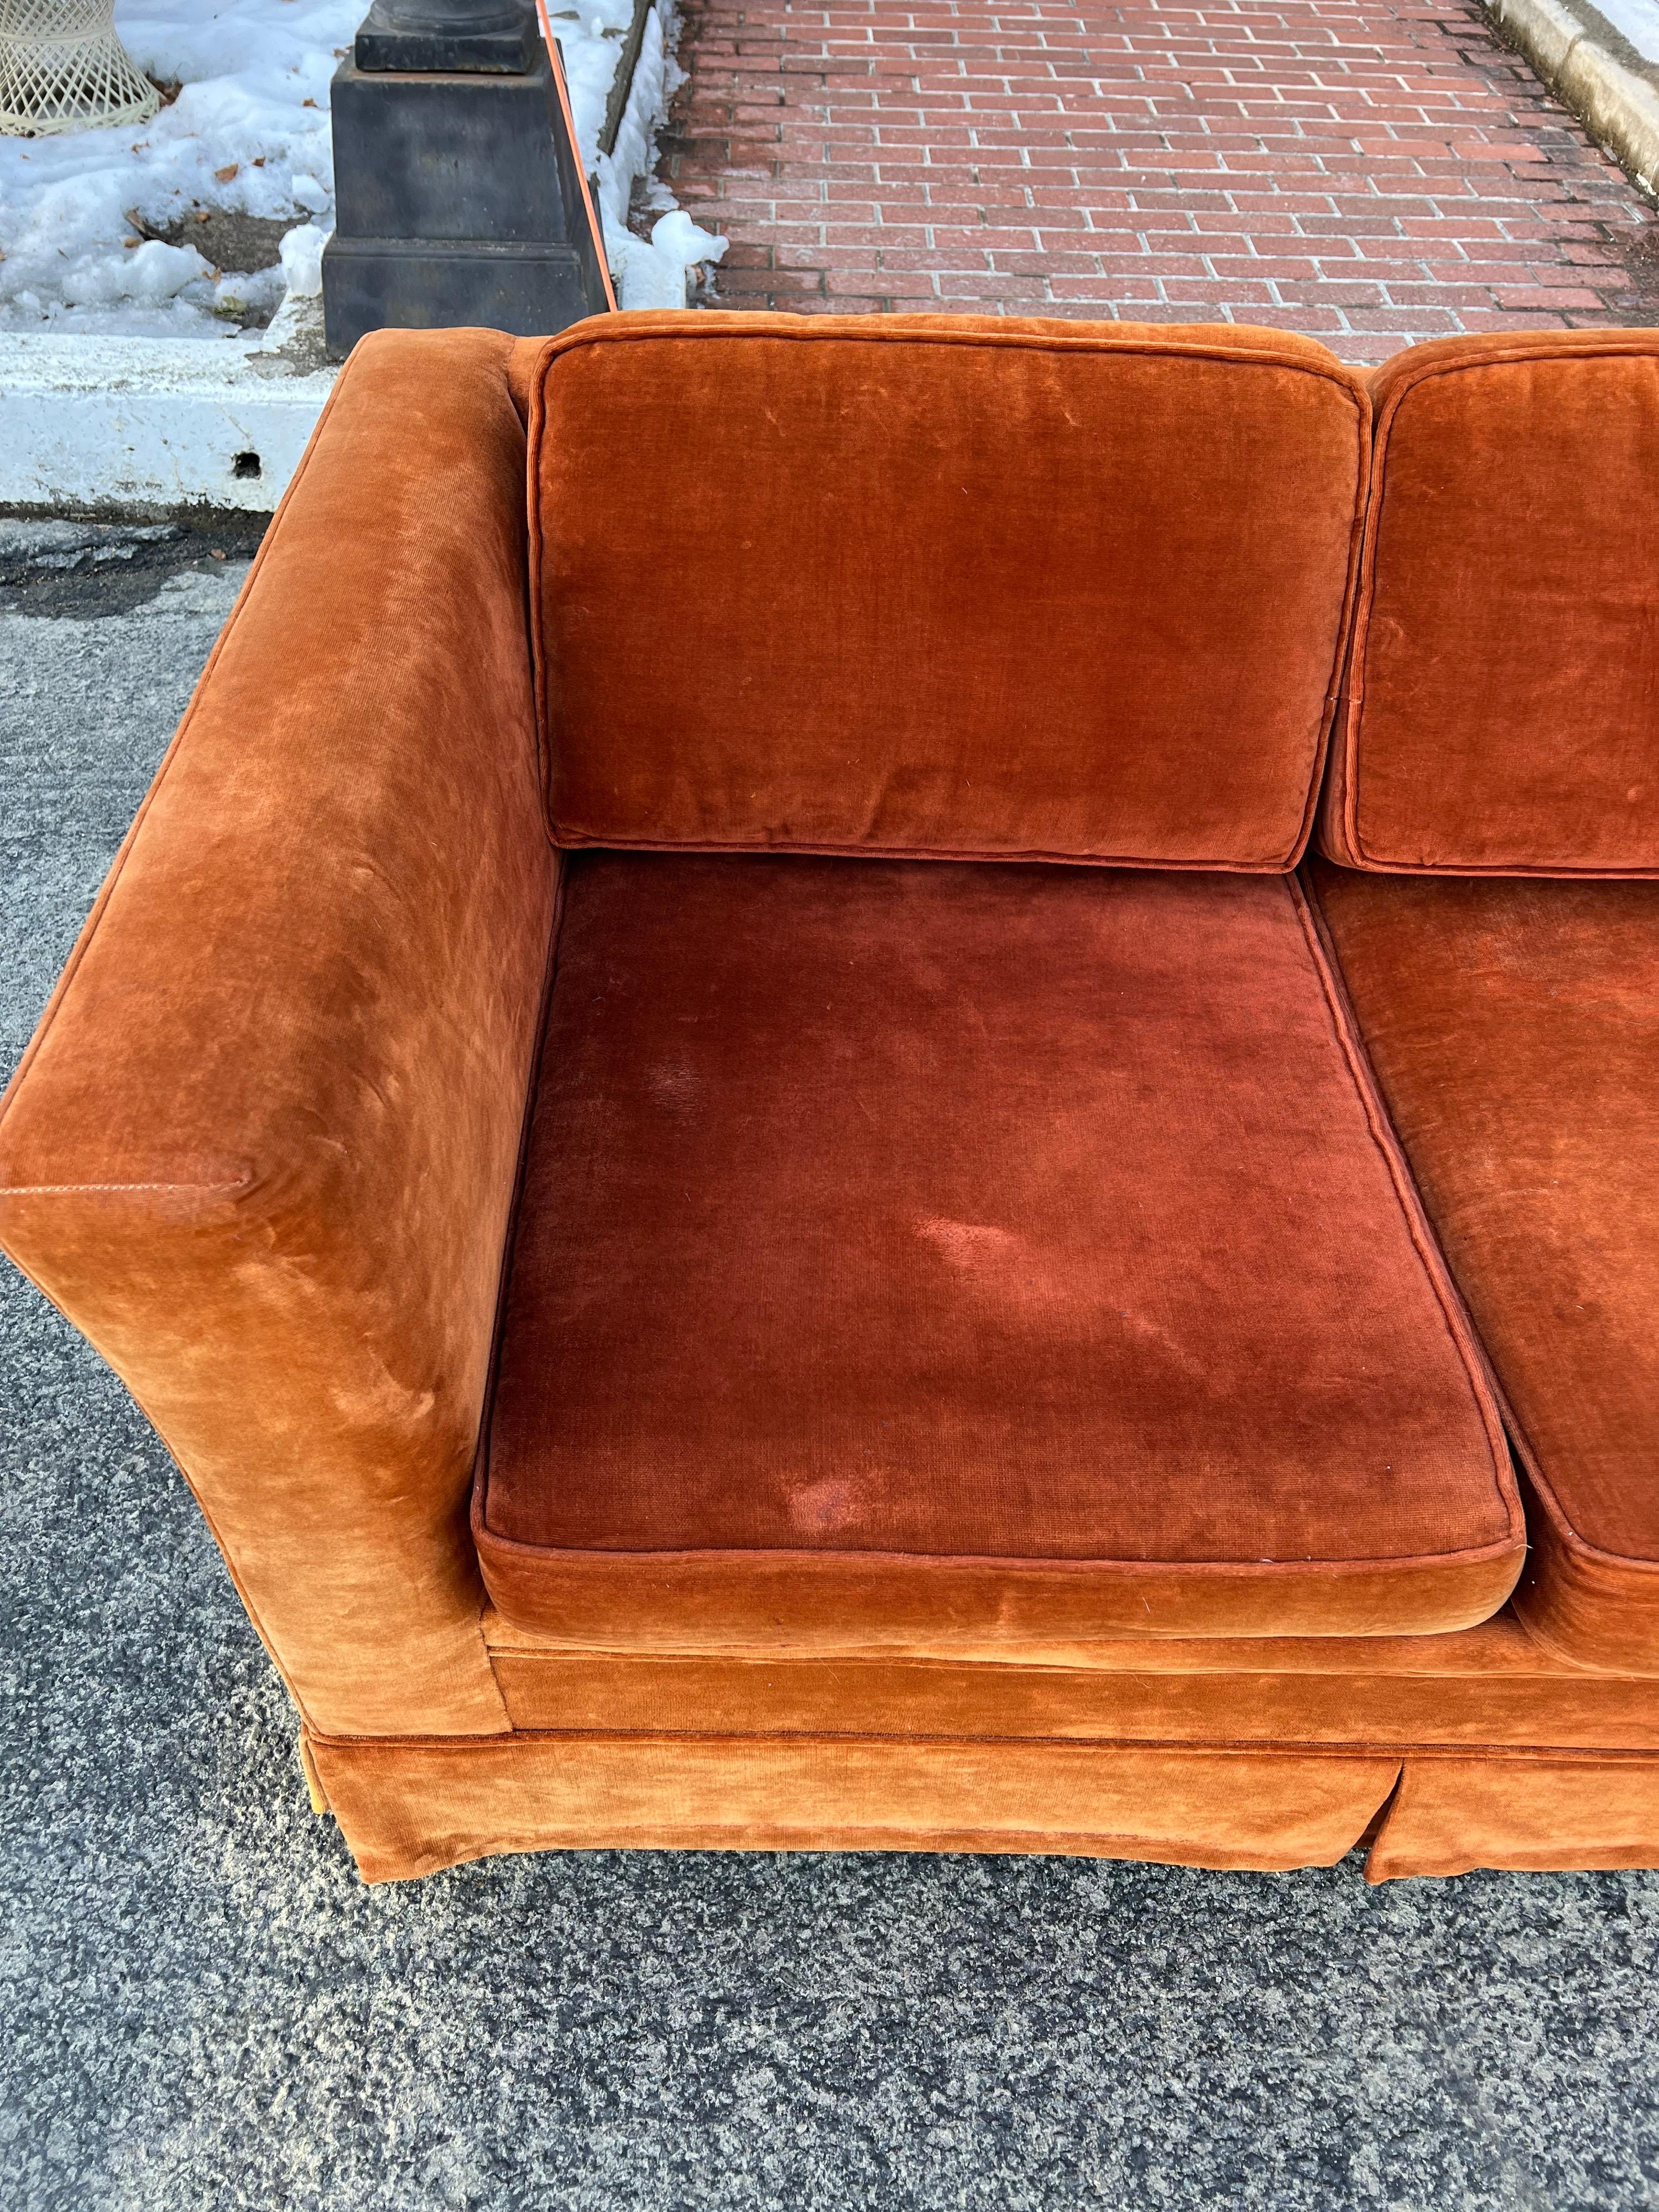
(1458, 1330)
(1344, 771)
(835, 330)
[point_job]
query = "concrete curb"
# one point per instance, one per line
(139, 427)
(1603, 74)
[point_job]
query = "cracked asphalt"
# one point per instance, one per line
(204, 2008)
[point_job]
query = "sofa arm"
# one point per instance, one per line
(262, 1149)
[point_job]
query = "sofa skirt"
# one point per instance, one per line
(409, 1807)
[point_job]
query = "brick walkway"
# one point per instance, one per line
(1371, 172)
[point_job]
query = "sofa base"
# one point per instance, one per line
(409, 1806)
(1539, 1813)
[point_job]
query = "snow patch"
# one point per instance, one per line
(302, 260)
(651, 273)
(248, 132)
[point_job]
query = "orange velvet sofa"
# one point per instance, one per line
(719, 1115)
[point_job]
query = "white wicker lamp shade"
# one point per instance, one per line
(62, 68)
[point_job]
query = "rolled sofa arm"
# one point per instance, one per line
(262, 1149)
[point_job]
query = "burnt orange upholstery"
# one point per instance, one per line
(958, 1359)
(1503, 694)
(941, 585)
(1446, 1751)
(410, 1807)
(262, 1147)
(1514, 1028)
(1487, 1688)
(909, 1247)
(1443, 1752)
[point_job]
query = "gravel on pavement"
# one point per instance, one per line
(203, 2007)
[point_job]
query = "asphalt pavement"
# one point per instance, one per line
(202, 2007)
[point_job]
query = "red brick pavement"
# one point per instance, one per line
(1371, 172)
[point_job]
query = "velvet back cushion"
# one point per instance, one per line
(941, 586)
(1503, 703)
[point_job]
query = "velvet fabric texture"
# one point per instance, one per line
(1487, 1686)
(974, 1371)
(911, 1249)
(262, 1149)
(1503, 694)
(1529, 1813)
(409, 1808)
(1514, 1027)
(951, 586)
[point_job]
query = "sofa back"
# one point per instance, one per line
(940, 585)
(1502, 701)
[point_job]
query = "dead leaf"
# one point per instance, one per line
(223, 176)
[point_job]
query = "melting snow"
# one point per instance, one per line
(248, 134)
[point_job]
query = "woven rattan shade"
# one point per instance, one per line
(62, 68)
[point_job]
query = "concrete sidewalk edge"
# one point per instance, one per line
(1589, 64)
(140, 427)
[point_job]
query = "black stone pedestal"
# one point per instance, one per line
(458, 200)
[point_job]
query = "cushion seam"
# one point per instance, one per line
(535, 430)
(1433, 1266)
(1561, 1528)
(586, 841)
(55, 1189)
(1231, 1747)
(1007, 1562)
(1347, 614)
(1256, 1668)
(594, 332)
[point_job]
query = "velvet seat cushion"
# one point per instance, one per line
(1514, 1027)
(912, 1250)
